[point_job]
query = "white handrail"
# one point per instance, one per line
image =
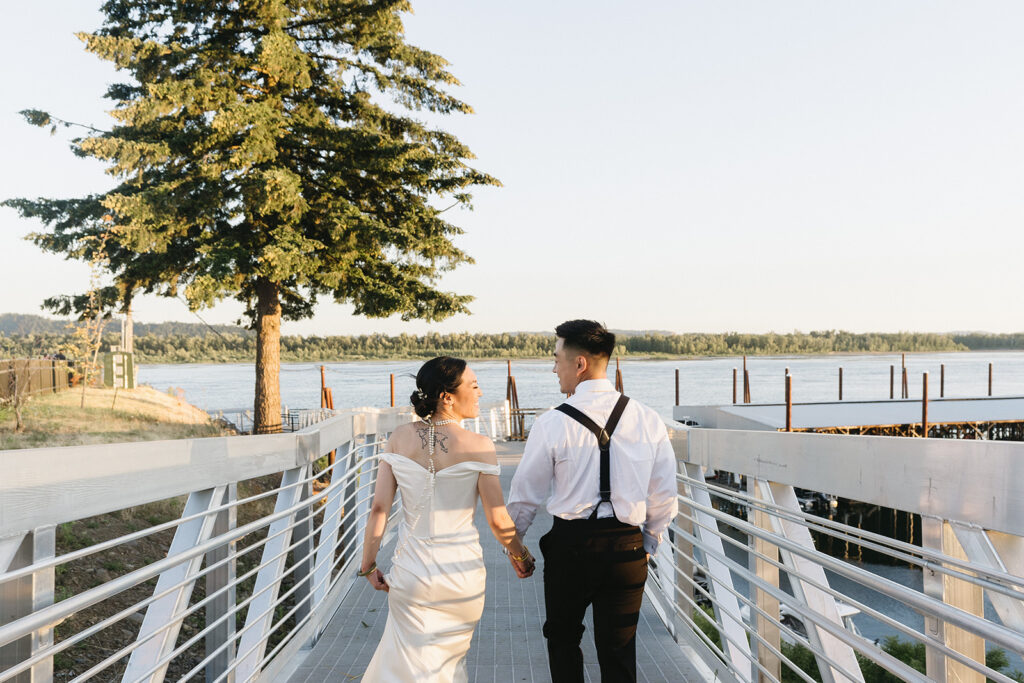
(761, 534)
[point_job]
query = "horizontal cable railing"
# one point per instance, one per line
(253, 570)
(744, 581)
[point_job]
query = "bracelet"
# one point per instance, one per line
(368, 571)
(518, 558)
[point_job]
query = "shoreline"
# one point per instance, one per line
(630, 357)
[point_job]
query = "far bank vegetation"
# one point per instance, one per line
(238, 345)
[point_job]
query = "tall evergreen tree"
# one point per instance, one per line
(266, 150)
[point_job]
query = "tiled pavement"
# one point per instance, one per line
(508, 645)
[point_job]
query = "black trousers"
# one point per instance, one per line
(598, 562)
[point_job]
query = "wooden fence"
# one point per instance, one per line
(29, 376)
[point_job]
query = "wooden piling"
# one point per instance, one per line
(789, 402)
(323, 387)
(392, 390)
(840, 384)
(677, 386)
(989, 379)
(942, 380)
(747, 382)
(618, 377)
(924, 405)
(906, 387)
(892, 381)
(734, 385)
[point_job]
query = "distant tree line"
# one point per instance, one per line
(26, 323)
(236, 347)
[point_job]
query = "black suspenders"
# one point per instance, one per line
(604, 439)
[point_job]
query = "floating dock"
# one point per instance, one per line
(1000, 419)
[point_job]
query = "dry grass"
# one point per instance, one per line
(142, 414)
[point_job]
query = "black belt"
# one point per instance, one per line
(591, 523)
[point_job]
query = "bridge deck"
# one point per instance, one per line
(508, 645)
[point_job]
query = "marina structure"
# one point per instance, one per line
(258, 578)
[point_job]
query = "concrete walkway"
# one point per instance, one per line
(508, 645)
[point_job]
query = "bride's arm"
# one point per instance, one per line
(383, 497)
(502, 526)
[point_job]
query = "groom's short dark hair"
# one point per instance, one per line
(588, 336)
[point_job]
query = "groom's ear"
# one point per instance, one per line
(582, 363)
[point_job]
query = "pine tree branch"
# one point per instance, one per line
(43, 119)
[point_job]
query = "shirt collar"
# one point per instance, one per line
(594, 385)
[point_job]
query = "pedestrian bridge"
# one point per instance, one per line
(256, 578)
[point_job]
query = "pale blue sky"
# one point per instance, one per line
(689, 166)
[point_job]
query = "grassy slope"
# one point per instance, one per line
(142, 414)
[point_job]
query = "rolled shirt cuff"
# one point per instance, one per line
(651, 543)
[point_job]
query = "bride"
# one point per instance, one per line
(436, 581)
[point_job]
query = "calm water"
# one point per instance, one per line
(229, 386)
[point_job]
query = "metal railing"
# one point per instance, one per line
(495, 419)
(744, 588)
(252, 571)
(266, 544)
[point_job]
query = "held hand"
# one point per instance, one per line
(523, 567)
(376, 579)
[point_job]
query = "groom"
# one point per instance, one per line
(606, 468)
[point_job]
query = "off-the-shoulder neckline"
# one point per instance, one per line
(443, 469)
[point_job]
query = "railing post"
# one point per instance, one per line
(769, 573)
(303, 554)
(934, 628)
(351, 453)
(727, 607)
(805, 577)
(260, 616)
(683, 595)
(327, 543)
(26, 595)
(157, 640)
(222, 577)
(969, 598)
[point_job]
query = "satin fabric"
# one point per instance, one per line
(437, 577)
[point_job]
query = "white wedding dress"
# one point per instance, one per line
(437, 576)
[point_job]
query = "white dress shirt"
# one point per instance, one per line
(562, 464)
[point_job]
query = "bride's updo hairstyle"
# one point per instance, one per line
(438, 376)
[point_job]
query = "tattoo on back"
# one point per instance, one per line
(440, 440)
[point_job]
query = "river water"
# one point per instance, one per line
(228, 387)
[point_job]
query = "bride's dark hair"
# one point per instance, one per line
(438, 376)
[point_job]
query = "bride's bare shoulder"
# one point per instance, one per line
(478, 447)
(405, 434)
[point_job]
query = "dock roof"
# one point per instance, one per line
(772, 416)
